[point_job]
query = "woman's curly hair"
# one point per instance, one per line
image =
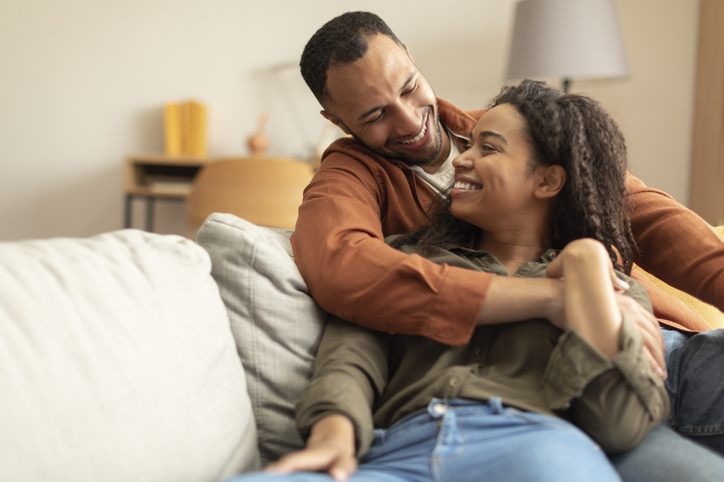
(575, 132)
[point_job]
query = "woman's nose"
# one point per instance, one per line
(462, 162)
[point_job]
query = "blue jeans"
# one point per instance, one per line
(478, 441)
(465, 441)
(666, 456)
(696, 385)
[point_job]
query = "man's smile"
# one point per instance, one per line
(418, 137)
(419, 140)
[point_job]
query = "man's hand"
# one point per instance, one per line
(650, 331)
(330, 448)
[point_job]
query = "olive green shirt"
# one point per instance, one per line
(376, 378)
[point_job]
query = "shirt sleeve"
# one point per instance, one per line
(350, 375)
(676, 245)
(340, 251)
(618, 401)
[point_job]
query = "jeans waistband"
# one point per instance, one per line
(437, 407)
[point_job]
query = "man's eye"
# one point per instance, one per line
(410, 90)
(372, 121)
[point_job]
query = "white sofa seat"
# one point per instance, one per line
(117, 363)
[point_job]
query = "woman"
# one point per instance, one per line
(539, 192)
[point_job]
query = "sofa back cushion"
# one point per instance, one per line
(276, 323)
(117, 363)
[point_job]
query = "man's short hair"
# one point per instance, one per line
(342, 40)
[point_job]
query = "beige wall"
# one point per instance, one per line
(82, 82)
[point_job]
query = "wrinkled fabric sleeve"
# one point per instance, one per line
(618, 401)
(676, 245)
(339, 248)
(350, 374)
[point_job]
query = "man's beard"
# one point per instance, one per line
(409, 160)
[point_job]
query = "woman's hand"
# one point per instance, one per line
(330, 449)
(556, 268)
(589, 289)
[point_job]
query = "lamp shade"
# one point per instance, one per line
(566, 39)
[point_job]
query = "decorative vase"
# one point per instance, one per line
(258, 142)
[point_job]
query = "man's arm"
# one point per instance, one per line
(676, 245)
(515, 299)
(340, 251)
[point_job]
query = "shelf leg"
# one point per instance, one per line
(127, 212)
(149, 214)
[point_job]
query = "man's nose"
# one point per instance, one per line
(408, 121)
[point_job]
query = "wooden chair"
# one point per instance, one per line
(266, 191)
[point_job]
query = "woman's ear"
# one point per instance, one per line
(552, 180)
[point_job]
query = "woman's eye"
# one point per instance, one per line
(488, 147)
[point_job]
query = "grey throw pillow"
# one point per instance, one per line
(276, 323)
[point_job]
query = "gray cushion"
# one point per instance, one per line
(117, 363)
(276, 323)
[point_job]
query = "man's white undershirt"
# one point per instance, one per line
(441, 181)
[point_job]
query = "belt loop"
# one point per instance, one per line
(379, 436)
(496, 405)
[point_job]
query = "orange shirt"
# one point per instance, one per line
(356, 198)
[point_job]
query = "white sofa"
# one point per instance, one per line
(132, 356)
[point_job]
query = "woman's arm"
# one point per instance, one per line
(589, 298)
(599, 370)
(334, 412)
(350, 374)
(330, 449)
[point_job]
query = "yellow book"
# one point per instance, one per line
(197, 129)
(172, 129)
(186, 128)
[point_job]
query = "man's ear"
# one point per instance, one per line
(552, 180)
(335, 121)
(407, 49)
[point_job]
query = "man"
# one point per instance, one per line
(382, 181)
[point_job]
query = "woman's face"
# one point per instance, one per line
(494, 180)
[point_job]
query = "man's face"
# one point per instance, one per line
(386, 104)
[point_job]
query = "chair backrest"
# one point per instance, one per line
(266, 191)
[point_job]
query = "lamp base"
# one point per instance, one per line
(566, 84)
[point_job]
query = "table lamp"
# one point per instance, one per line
(566, 39)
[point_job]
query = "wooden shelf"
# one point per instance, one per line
(157, 175)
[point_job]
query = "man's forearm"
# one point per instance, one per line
(676, 245)
(514, 299)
